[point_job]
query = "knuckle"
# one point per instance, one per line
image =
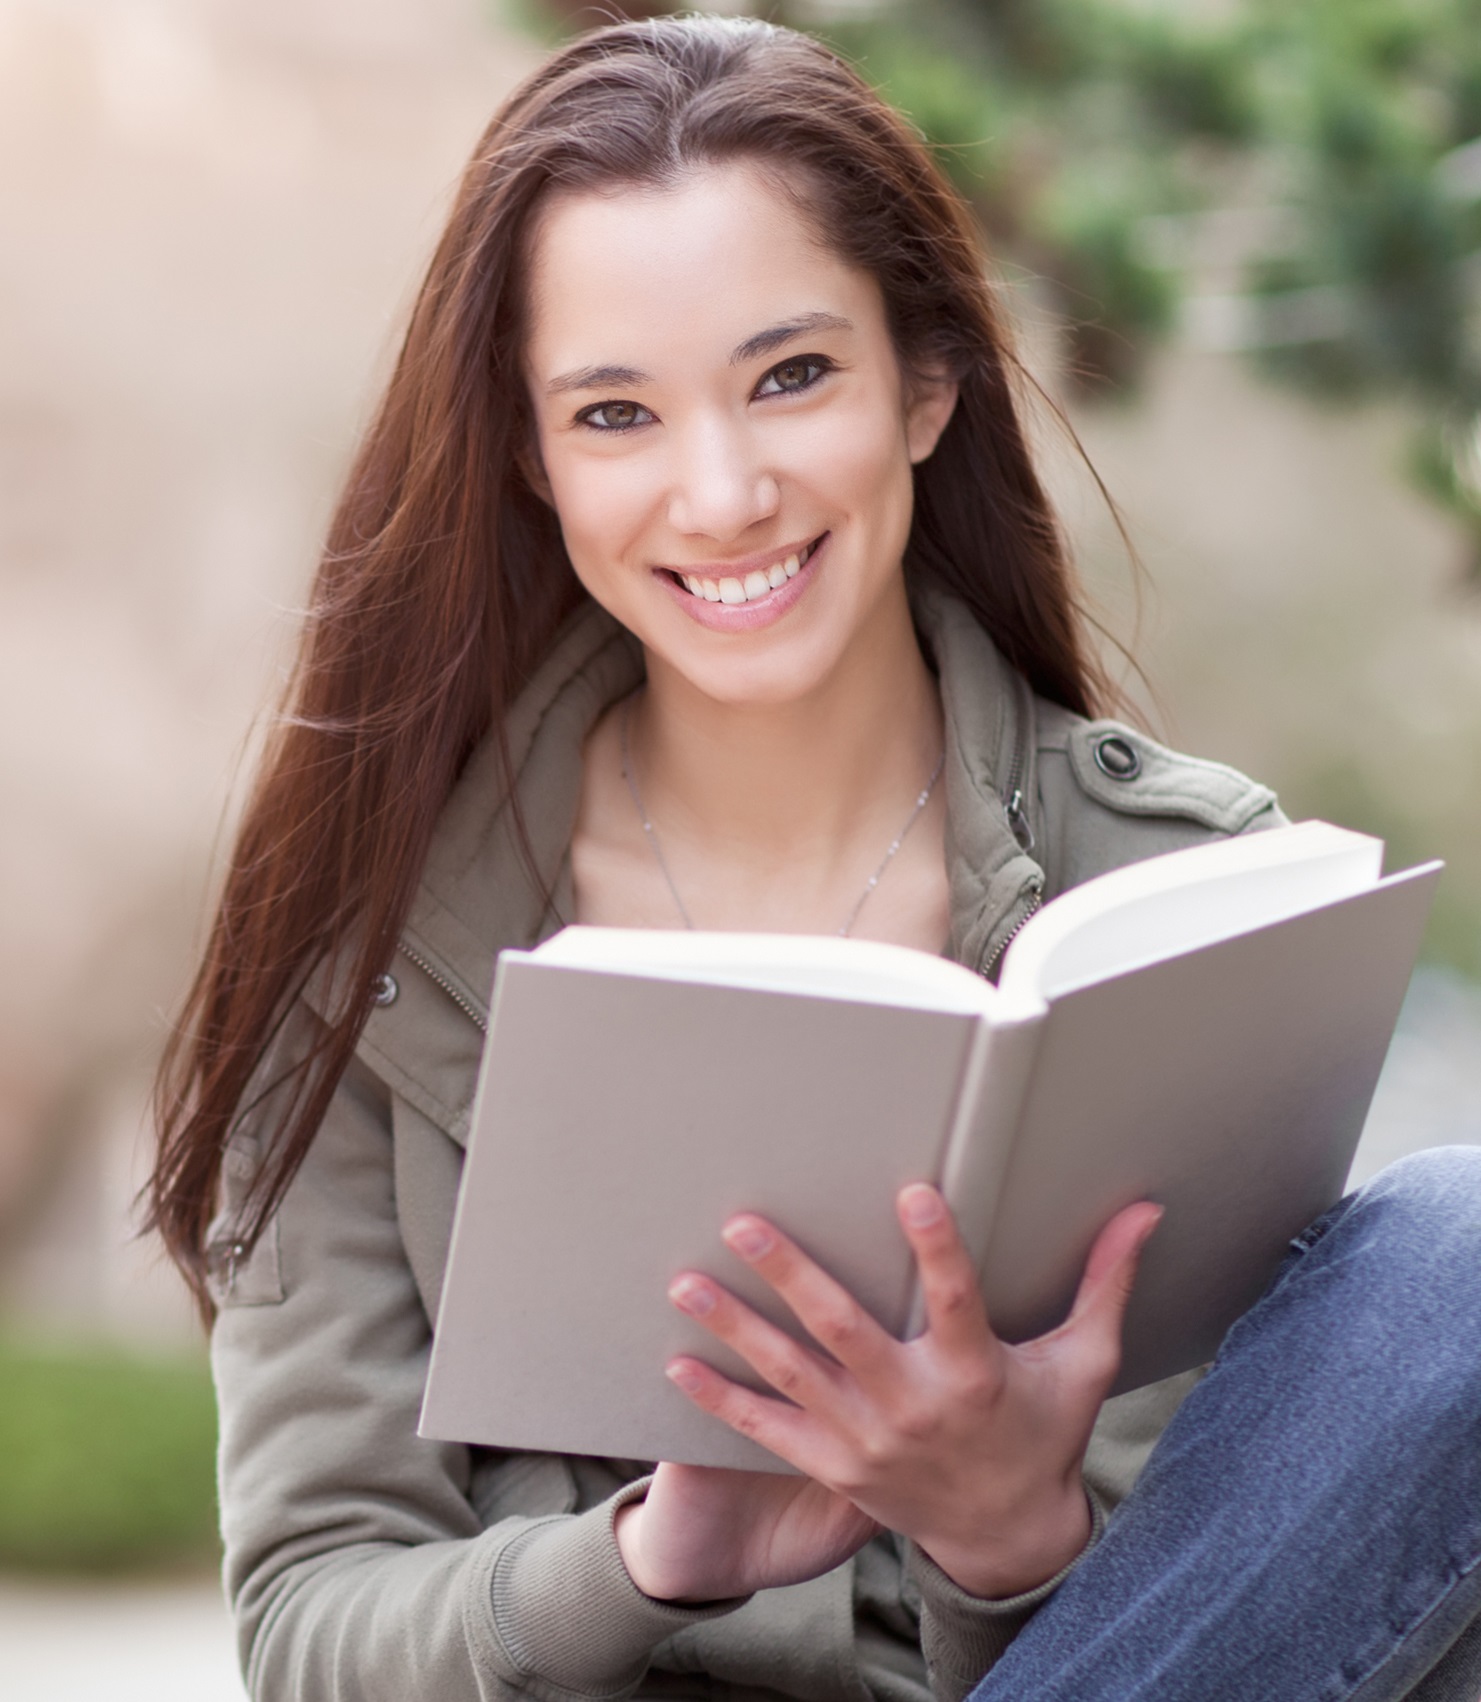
(979, 1387)
(747, 1420)
(954, 1295)
(877, 1450)
(916, 1423)
(837, 1326)
(844, 1474)
(785, 1375)
(851, 1480)
(914, 1419)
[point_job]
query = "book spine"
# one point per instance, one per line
(980, 1142)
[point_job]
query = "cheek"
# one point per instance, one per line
(600, 501)
(859, 459)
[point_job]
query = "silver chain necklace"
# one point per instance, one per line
(922, 799)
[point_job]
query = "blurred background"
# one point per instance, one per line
(1242, 242)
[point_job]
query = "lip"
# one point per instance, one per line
(745, 617)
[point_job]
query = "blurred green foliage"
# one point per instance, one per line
(1347, 133)
(107, 1461)
(1335, 143)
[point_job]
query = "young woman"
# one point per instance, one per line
(695, 573)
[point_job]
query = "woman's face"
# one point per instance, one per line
(723, 430)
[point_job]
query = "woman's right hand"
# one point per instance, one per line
(705, 1534)
(971, 1447)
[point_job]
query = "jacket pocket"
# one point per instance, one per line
(238, 1274)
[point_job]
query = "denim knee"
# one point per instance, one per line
(1406, 1251)
(1424, 1212)
(1381, 1298)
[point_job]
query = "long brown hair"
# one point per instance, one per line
(444, 579)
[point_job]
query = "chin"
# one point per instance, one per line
(769, 674)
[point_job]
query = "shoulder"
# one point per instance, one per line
(1119, 769)
(1111, 795)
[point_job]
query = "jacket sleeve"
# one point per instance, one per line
(963, 1636)
(355, 1562)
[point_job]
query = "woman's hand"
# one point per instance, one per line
(704, 1533)
(967, 1445)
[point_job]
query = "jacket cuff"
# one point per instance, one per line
(962, 1636)
(568, 1619)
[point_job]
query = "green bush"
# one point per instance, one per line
(107, 1461)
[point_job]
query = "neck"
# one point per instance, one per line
(800, 782)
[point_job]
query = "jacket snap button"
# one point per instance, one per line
(1116, 758)
(383, 990)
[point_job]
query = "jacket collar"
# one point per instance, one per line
(478, 897)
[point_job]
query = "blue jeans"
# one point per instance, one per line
(1308, 1528)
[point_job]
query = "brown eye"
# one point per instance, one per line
(614, 416)
(791, 377)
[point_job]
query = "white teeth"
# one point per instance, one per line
(757, 583)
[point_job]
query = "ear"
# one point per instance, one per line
(527, 459)
(930, 404)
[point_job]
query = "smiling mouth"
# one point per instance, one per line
(755, 585)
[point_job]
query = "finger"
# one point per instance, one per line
(793, 1371)
(1095, 1320)
(825, 1308)
(955, 1315)
(774, 1424)
(1118, 1247)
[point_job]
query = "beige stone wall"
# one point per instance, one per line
(211, 212)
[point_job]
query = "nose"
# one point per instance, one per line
(722, 486)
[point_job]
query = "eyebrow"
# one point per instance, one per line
(597, 378)
(773, 338)
(763, 343)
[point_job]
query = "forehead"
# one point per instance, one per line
(647, 276)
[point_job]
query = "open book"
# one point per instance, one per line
(1204, 1029)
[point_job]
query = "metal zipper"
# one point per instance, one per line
(1035, 904)
(1013, 801)
(460, 999)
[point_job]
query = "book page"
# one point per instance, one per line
(824, 966)
(1180, 902)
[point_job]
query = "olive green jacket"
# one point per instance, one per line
(365, 1563)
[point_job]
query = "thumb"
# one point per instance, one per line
(1110, 1274)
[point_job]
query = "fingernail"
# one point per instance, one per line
(695, 1298)
(750, 1240)
(921, 1206)
(683, 1377)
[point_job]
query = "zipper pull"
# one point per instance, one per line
(1018, 819)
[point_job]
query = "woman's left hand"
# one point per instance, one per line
(968, 1445)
